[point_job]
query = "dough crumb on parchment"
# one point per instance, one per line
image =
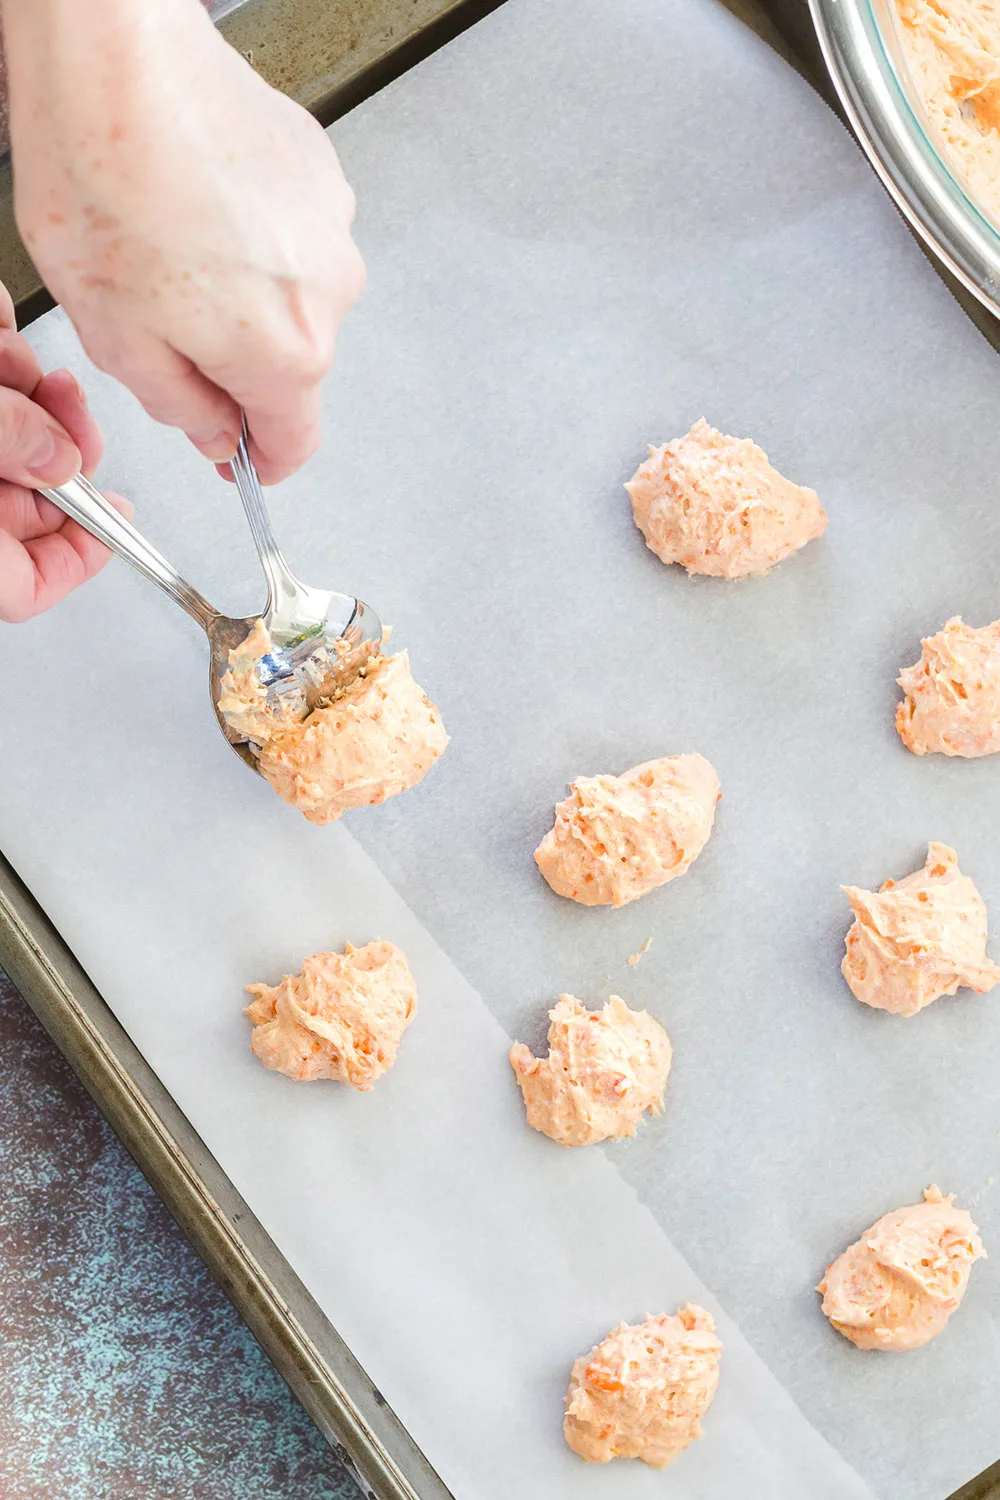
(639, 954)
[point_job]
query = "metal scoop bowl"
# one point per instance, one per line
(320, 640)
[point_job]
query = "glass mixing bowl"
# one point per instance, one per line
(864, 54)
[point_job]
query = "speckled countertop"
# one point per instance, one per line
(124, 1372)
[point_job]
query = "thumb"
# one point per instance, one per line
(35, 451)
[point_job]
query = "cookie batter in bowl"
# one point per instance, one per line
(952, 48)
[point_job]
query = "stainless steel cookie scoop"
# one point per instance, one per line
(292, 665)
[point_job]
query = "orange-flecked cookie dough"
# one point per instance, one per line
(605, 1068)
(714, 504)
(243, 697)
(378, 740)
(642, 1392)
(341, 1018)
(900, 1283)
(918, 939)
(953, 51)
(952, 702)
(617, 837)
(374, 739)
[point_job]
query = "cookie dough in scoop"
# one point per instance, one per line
(617, 837)
(642, 1392)
(898, 1285)
(376, 738)
(714, 504)
(605, 1068)
(917, 939)
(341, 1018)
(952, 702)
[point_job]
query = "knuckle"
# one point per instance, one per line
(313, 363)
(19, 367)
(16, 424)
(302, 356)
(11, 342)
(13, 614)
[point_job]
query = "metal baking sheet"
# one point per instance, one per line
(697, 236)
(304, 1346)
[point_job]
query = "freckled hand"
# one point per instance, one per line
(194, 225)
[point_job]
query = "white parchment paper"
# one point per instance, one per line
(586, 225)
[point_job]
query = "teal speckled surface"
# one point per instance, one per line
(124, 1372)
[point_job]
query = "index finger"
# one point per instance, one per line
(43, 569)
(8, 318)
(61, 395)
(19, 366)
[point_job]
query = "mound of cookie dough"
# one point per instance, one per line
(917, 939)
(953, 51)
(374, 739)
(642, 1392)
(617, 837)
(714, 504)
(605, 1068)
(341, 1018)
(900, 1283)
(952, 703)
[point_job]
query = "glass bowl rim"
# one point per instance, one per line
(864, 59)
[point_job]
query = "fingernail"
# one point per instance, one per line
(54, 459)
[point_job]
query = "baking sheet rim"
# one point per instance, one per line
(35, 956)
(163, 1144)
(98, 1049)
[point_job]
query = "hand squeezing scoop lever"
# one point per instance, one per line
(320, 640)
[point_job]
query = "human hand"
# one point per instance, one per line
(193, 222)
(46, 436)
